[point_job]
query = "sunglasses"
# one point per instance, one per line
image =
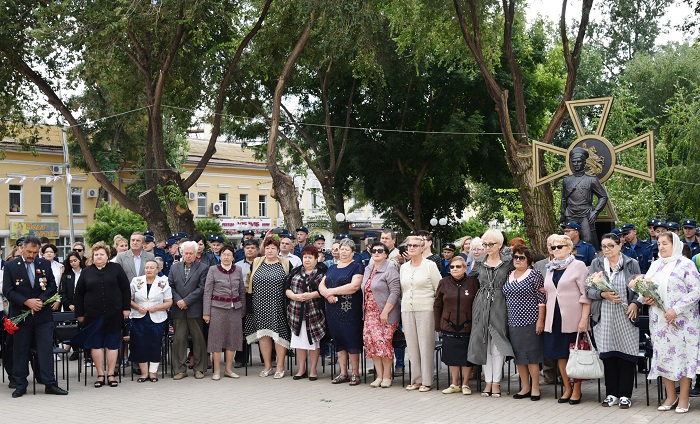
(561, 246)
(78, 250)
(456, 266)
(519, 257)
(607, 246)
(413, 246)
(377, 251)
(489, 245)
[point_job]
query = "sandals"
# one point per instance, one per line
(340, 379)
(142, 380)
(153, 379)
(265, 373)
(496, 394)
(99, 383)
(354, 380)
(112, 383)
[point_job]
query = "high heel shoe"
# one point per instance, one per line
(574, 401)
(668, 407)
(680, 410)
(563, 399)
(521, 396)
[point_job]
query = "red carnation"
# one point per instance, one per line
(9, 326)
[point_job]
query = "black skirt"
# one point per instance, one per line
(146, 339)
(454, 350)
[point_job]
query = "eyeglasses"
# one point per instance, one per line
(607, 246)
(377, 251)
(78, 250)
(489, 245)
(456, 266)
(561, 246)
(413, 246)
(519, 257)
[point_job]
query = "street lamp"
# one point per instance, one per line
(434, 223)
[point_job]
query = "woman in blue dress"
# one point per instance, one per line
(341, 290)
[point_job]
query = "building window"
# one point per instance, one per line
(201, 204)
(15, 199)
(262, 201)
(76, 199)
(46, 200)
(314, 198)
(64, 247)
(244, 204)
(223, 199)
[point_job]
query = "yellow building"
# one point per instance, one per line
(234, 188)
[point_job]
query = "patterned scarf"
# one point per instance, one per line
(556, 264)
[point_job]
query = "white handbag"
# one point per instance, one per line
(584, 364)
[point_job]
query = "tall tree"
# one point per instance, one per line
(143, 57)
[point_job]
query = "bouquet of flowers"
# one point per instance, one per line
(600, 281)
(647, 288)
(10, 325)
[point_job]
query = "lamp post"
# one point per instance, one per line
(434, 222)
(340, 219)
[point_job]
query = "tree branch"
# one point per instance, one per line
(25, 70)
(344, 143)
(221, 98)
(572, 64)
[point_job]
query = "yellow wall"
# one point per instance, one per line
(231, 171)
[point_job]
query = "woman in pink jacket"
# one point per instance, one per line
(568, 309)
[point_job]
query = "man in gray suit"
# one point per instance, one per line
(134, 260)
(187, 283)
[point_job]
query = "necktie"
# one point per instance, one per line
(30, 273)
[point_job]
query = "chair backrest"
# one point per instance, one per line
(65, 326)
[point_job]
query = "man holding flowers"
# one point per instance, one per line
(28, 283)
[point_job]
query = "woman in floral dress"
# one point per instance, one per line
(675, 346)
(381, 291)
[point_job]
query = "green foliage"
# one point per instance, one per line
(470, 227)
(111, 220)
(171, 192)
(208, 226)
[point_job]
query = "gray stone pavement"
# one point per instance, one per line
(253, 398)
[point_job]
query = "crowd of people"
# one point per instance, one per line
(486, 301)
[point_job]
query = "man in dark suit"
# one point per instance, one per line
(27, 283)
(186, 280)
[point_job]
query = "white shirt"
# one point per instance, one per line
(293, 259)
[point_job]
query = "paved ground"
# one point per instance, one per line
(254, 398)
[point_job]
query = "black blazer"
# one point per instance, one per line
(67, 288)
(17, 288)
(103, 292)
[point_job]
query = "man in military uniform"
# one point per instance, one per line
(651, 224)
(302, 240)
(674, 227)
(169, 255)
(577, 197)
(216, 243)
(691, 236)
(368, 239)
(240, 253)
(585, 252)
(448, 252)
(320, 245)
(635, 248)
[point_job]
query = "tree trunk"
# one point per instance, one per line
(152, 211)
(284, 191)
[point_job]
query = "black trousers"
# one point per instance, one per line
(619, 376)
(42, 335)
(7, 348)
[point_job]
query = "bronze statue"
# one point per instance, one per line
(577, 196)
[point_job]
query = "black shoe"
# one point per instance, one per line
(55, 390)
(523, 396)
(535, 398)
(12, 385)
(18, 393)
(299, 377)
(562, 400)
(574, 401)
(74, 356)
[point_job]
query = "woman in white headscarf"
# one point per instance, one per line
(676, 347)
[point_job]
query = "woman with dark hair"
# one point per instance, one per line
(224, 306)
(381, 290)
(307, 319)
(203, 255)
(102, 303)
(616, 337)
(73, 267)
(49, 252)
(268, 323)
(151, 297)
(454, 298)
(526, 308)
(341, 289)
